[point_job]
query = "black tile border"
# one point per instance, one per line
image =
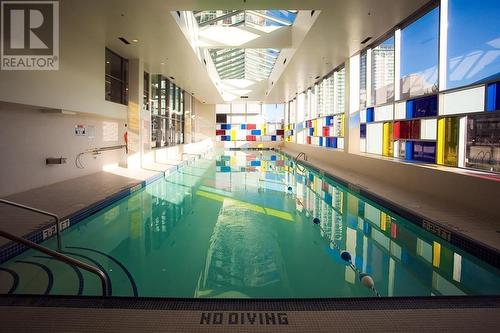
(472, 246)
(210, 304)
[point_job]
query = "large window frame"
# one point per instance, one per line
(167, 116)
(119, 78)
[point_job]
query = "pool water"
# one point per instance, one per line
(241, 225)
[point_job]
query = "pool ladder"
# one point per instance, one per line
(105, 284)
(301, 154)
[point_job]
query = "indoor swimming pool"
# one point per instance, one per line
(251, 224)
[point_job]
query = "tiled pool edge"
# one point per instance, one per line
(473, 246)
(12, 249)
(220, 304)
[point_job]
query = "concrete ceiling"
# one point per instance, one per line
(335, 36)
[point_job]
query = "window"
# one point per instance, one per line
(483, 141)
(419, 56)
(146, 91)
(362, 80)
(383, 72)
(340, 88)
(116, 78)
(250, 122)
(167, 113)
(473, 48)
(273, 113)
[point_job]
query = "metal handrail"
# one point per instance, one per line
(63, 258)
(300, 154)
(36, 210)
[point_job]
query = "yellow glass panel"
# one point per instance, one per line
(436, 254)
(342, 125)
(447, 141)
(387, 149)
(440, 142)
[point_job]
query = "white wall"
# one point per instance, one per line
(203, 121)
(28, 137)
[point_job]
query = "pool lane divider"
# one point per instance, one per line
(46, 231)
(472, 246)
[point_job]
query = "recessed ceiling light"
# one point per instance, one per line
(135, 40)
(107, 62)
(162, 63)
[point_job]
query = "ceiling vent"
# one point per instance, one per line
(124, 40)
(364, 41)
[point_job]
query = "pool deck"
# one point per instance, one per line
(68, 197)
(473, 224)
(97, 314)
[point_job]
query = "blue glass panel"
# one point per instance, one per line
(493, 97)
(255, 163)
(424, 151)
(370, 115)
(335, 143)
(225, 126)
(361, 209)
(422, 107)
(243, 126)
(321, 141)
(419, 56)
(329, 121)
(273, 157)
(328, 198)
(473, 42)
(256, 132)
(409, 150)
(273, 137)
(362, 130)
(409, 109)
(367, 228)
(225, 169)
(311, 131)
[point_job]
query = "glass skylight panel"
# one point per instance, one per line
(259, 18)
(254, 64)
(234, 63)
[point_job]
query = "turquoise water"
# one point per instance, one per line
(229, 226)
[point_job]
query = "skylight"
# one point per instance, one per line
(244, 63)
(250, 18)
(253, 64)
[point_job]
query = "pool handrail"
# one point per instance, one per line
(299, 155)
(43, 212)
(64, 258)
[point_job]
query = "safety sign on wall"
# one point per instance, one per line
(80, 130)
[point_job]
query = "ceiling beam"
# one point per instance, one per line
(219, 18)
(268, 17)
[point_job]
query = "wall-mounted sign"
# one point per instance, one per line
(80, 130)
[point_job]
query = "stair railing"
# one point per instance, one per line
(39, 211)
(59, 256)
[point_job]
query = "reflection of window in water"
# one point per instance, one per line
(244, 254)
